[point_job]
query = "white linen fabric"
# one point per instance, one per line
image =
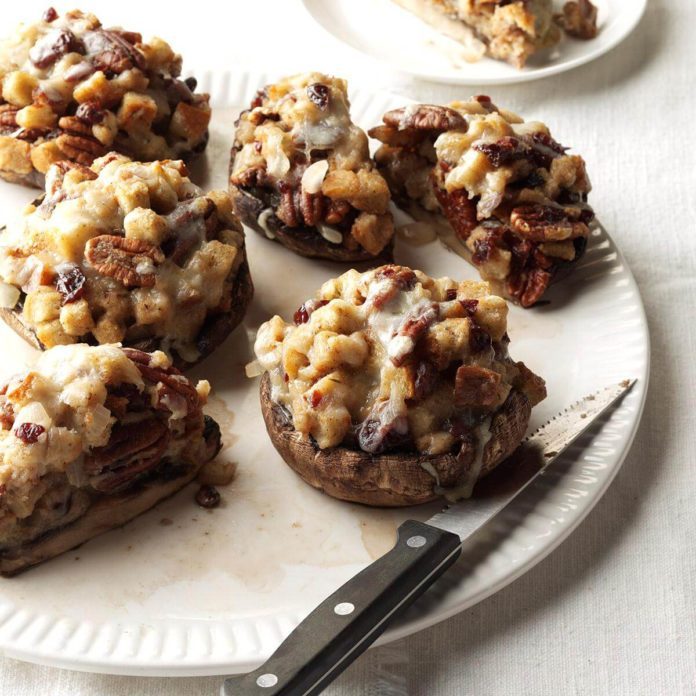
(613, 610)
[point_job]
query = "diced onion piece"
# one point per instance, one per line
(217, 472)
(263, 222)
(528, 128)
(313, 176)
(98, 428)
(330, 234)
(33, 412)
(319, 135)
(9, 295)
(277, 162)
(253, 369)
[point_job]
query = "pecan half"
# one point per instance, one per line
(254, 176)
(133, 449)
(542, 223)
(130, 261)
(287, 209)
(127, 439)
(429, 117)
(391, 135)
(539, 150)
(311, 207)
(112, 53)
(77, 141)
(537, 281)
(8, 116)
(459, 209)
(30, 135)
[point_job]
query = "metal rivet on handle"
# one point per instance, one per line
(344, 608)
(415, 542)
(266, 680)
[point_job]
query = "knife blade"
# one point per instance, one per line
(351, 619)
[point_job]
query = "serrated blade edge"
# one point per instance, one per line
(536, 453)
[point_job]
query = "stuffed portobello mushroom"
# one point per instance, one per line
(91, 437)
(125, 252)
(392, 388)
(514, 199)
(301, 173)
(75, 90)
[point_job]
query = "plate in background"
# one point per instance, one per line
(388, 33)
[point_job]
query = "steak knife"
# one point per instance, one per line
(345, 624)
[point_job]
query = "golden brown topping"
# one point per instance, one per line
(299, 155)
(391, 359)
(91, 418)
(123, 252)
(504, 185)
(122, 93)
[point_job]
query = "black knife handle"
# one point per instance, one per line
(353, 617)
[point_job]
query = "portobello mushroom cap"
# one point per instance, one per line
(303, 240)
(392, 479)
(106, 512)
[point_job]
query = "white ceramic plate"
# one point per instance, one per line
(184, 591)
(386, 32)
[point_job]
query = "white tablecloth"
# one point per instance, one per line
(613, 610)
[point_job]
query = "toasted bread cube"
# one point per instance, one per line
(17, 88)
(42, 304)
(76, 319)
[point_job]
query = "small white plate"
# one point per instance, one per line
(384, 31)
(182, 591)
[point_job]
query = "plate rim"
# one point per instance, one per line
(191, 665)
(638, 7)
